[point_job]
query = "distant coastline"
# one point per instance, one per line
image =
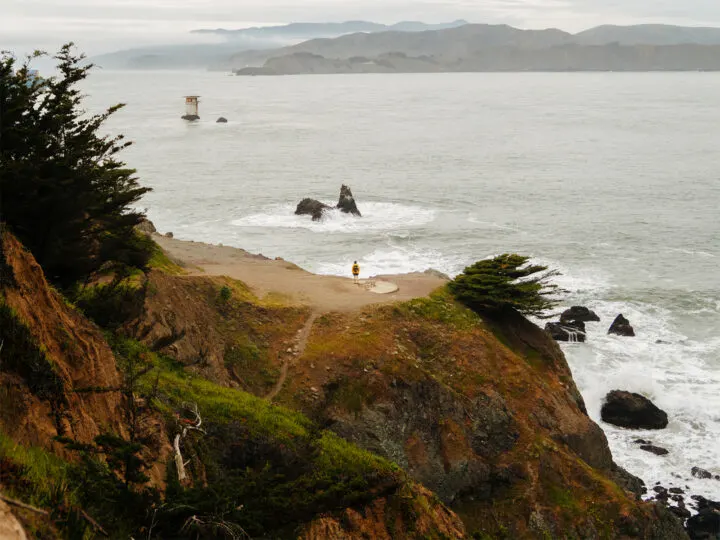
(363, 47)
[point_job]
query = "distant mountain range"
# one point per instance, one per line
(215, 55)
(317, 30)
(359, 47)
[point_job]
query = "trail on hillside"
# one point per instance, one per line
(300, 344)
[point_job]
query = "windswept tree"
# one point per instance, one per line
(507, 281)
(63, 190)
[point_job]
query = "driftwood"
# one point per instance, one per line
(191, 425)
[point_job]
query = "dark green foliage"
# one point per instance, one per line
(65, 194)
(225, 294)
(110, 305)
(506, 282)
(259, 485)
(22, 355)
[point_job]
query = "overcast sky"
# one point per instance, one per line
(105, 25)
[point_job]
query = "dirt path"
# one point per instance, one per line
(298, 350)
(265, 276)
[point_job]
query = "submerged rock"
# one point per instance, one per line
(697, 472)
(579, 314)
(346, 203)
(657, 450)
(628, 410)
(221, 120)
(621, 327)
(191, 117)
(311, 207)
(567, 331)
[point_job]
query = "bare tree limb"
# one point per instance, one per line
(191, 425)
(24, 506)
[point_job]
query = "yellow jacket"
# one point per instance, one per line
(356, 269)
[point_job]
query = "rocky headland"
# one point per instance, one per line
(319, 409)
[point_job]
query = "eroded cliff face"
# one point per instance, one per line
(58, 375)
(414, 513)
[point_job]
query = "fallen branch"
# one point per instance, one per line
(94, 523)
(192, 425)
(24, 506)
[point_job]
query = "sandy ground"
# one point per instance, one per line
(263, 276)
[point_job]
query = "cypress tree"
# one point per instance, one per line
(63, 190)
(506, 281)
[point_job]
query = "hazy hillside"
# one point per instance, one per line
(442, 47)
(649, 34)
(447, 44)
(215, 55)
(316, 30)
(568, 57)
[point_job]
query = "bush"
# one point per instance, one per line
(506, 282)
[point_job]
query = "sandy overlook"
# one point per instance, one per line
(264, 276)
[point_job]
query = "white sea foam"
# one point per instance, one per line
(376, 216)
(676, 372)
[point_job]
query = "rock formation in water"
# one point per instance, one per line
(312, 208)
(346, 203)
(222, 120)
(567, 331)
(621, 327)
(579, 314)
(316, 209)
(628, 410)
(190, 117)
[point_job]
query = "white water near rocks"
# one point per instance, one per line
(612, 178)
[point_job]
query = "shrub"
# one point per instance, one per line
(507, 281)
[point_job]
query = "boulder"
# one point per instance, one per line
(579, 314)
(169, 235)
(697, 472)
(191, 117)
(221, 120)
(311, 207)
(632, 411)
(705, 525)
(567, 331)
(146, 227)
(621, 327)
(346, 203)
(658, 451)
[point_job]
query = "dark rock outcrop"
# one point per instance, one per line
(191, 117)
(221, 120)
(567, 331)
(311, 207)
(346, 203)
(316, 209)
(697, 472)
(621, 327)
(705, 525)
(632, 411)
(657, 450)
(579, 314)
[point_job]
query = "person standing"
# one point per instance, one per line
(356, 273)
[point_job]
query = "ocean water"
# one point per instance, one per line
(611, 178)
